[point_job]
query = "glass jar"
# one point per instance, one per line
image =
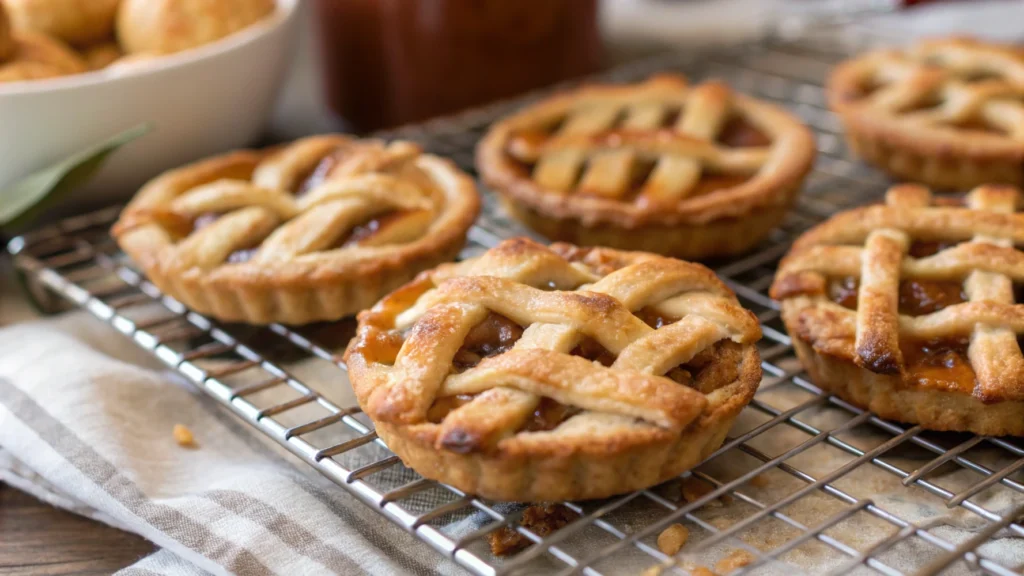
(391, 62)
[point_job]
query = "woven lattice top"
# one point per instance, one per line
(645, 148)
(962, 87)
(326, 199)
(602, 342)
(971, 246)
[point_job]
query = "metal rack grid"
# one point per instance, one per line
(789, 427)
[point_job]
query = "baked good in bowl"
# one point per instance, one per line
(909, 309)
(662, 166)
(943, 112)
(42, 39)
(536, 373)
(76, 22)
(167, 26)
(317, 229)
(31, 56)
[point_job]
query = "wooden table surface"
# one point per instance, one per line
(39, 540)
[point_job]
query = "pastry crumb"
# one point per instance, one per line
(735, 559)
(652, 571)
(694, 489)
(672, 539)
(701, 571)
(721, 522)
(183, 436)
(542, 520)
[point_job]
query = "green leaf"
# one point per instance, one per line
(23, 201)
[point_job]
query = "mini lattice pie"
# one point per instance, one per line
(534, 373)
(948, 113)
(910, 309)
(315, 230)
(661, 166)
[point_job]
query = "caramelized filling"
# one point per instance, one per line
(592, 350)
(712, 182)
(843, 291)
(548, 415)
(495, 335)
(919, 297)
(866, 88)
(981, 76)
(318, 174)
(940, 364)
(653, 318)
(541, 519)
(922, 249)
(366, 230)
(929, 102)
(916, 297)
(714, 367)
(738, 133)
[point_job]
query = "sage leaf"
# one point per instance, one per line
(23, 201)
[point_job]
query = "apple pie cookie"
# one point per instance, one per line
(539, 373)
(662, 166)
(948, 113)
(313, 230)
(910, 309)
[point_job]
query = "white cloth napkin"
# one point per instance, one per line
(86, 425)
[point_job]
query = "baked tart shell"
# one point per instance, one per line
(576, 473)
(891, 398)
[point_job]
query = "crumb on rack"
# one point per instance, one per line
(672, 539)
(541, 519)
(736, 559)
(183, 436)
(721, 523)
(655, 570)
(694, 489)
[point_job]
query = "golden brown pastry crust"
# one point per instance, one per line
(944, 112)
(294, 263)
(587, 146)
(99, 56)
(167, 26)
(862, 354)
(38, 57)
(7, 45)
(624, 424)
(77, 22)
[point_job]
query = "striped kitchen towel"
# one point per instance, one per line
(86, 424)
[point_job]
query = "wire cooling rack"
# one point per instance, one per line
(805, 483)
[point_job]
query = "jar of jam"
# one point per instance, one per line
(391, 62)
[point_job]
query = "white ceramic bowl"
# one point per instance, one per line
(199, 102)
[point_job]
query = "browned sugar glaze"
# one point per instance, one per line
(938, 364)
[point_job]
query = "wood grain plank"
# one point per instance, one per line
(38, 539)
